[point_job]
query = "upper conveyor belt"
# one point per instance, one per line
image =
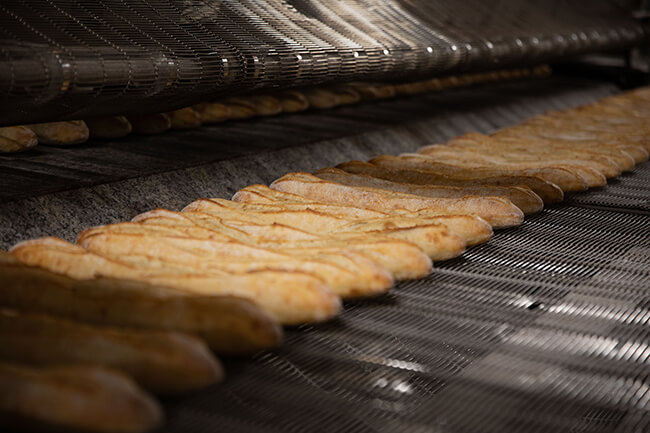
(75, 59)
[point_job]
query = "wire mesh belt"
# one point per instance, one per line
(628, 192)
(545, 328)
(67, 59)
(542, 329)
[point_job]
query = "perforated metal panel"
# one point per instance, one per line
(544, 328)
(70, 58)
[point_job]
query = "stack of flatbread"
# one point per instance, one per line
(138, 305)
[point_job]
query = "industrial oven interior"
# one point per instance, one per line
(324, 216)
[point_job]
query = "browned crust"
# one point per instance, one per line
(522, 196)
(290, 297)
(61, 133)
(161, 361)
(229, 324)
(74, 398)
(547, 191)
(566, 179)
(474, 230)
(17, 139)
(497, 211)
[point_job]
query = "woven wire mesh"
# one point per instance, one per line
(628, 192)
(544, 328)
(69, 58)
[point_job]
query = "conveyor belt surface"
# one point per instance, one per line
(543, 329)
(78, 59)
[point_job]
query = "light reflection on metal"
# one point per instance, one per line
(395, 363)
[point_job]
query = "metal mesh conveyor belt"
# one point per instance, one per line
(72, 59)
(629, 192)
(543, 329)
